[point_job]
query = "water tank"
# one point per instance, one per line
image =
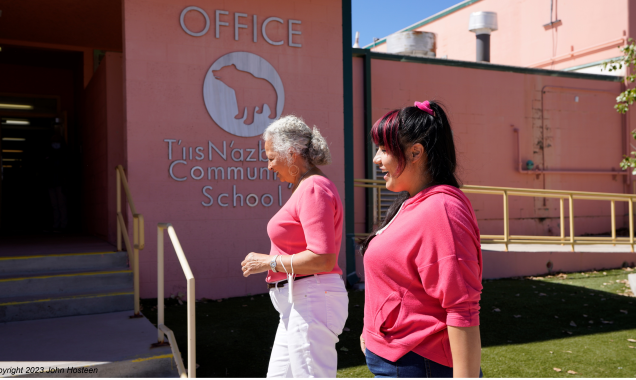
(415, 43)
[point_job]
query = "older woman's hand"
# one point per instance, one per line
(255, 263)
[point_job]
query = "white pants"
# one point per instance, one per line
(305, 344)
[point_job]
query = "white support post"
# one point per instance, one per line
(160, 284)
(192, 338)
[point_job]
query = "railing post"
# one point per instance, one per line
(136, 264)
(138, 235)
(571, 204)
(562, 215)
(118, 210)
(506, 220)
(192, 339)
(613, 216)
(160, 284)
(631, 223)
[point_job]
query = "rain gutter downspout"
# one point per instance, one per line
(369, 152)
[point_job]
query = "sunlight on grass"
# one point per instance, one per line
(597, 355)
(578, 322)
(357, 371)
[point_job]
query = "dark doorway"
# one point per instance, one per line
(40, 98)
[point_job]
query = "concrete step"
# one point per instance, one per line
(101, 345)
(40, 307)
(158, 366)
(58, 284)
(70, 262)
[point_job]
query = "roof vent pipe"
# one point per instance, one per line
(356, 45)
(482, 23)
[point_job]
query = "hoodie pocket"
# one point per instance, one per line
(388, 314)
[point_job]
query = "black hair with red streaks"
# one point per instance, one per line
(399, 129)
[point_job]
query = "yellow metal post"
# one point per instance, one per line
(506, 220)
(613, 216)
(118, 192)
(379, 206)
(631, 223)
(508, 239)
(562, 215)
(571, 204)
(122, 231)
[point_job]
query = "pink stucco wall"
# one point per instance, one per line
(499, 264)
(103, 146)
(485, 106)
(164, 73)
(590, 32)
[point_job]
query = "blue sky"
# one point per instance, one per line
(379, 18)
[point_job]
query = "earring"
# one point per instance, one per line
(296, 171)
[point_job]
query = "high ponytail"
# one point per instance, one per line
(399, 129)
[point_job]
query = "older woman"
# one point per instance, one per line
(304, 279)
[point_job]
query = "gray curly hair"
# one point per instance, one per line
(290, 134)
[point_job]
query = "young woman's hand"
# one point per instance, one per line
(255, 263)
(363, 345)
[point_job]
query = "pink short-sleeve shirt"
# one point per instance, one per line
(310, 220)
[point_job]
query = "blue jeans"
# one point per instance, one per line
(410, 365)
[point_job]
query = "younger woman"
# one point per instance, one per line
(423, 264)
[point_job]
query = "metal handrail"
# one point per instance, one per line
(562, 195)
(138, 233)
(161, 327)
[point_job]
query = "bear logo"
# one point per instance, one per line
(243, 94)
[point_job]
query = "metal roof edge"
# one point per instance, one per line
(483, 66)
(427, 20)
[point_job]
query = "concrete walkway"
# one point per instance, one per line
(540, 259)
(112, 344)
(556, 248)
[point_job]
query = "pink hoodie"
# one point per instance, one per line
(423, 273)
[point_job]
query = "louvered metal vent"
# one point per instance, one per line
(386, 197)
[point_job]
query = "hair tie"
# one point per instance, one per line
(426, 107)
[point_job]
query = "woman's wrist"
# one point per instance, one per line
(265, 262)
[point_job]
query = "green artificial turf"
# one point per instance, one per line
(525, 327)
(577, 322)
